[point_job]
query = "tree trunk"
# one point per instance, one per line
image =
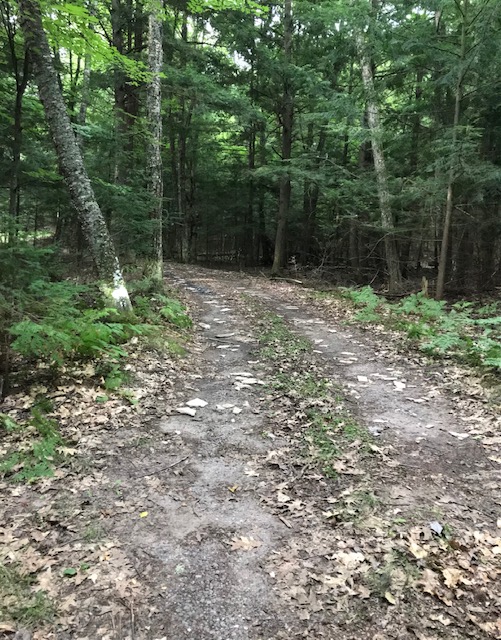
(287, 123)
(17, 137)
(392, 262)
(21, 81)
(311, 194)
(85, 95)
(117, 20)
(70, 158)
(154, 117)
(449, 206)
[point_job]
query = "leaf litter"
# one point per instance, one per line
(433, 575)
(361, 556)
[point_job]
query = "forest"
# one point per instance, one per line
(357, 139)
(250, 328)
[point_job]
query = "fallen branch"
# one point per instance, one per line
(287, 279)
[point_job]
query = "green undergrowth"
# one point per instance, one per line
(51, 323)
(31, 449)
(465, 331)
(329, 428)
(19, 603)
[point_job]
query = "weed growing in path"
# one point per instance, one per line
(18, 602)
(329, 428)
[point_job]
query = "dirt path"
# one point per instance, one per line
(217, 532)
(431, 477)
(334, 490)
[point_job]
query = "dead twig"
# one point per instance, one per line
(293, 280)
(169, 466)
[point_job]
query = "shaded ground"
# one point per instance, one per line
(225, 524)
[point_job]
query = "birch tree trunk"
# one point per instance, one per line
(449, 205)
(154, 265)
(287, 118)
(70, 158)
(374, 121)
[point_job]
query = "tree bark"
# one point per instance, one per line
(154, 117)
(287, 124)
(21, 81)
(373, 117)
(70, 158)
(449, 206)
(17, 138)
(311, 193)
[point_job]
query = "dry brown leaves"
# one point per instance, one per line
(54, 530)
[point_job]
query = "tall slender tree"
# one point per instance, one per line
(287, 120)
(449, 205)
(154, 155)
(374, 121)
(21, 70)
(70, 158)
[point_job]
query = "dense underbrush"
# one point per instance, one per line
(466, 331)
(53, 329)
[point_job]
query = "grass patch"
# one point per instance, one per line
(301, 384)
(394, 577)
(330, 429)
(18, 602)
(94, 532)
(322, 441)
(329, 434)
(278, 341)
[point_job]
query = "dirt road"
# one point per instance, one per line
(293, 476)
(403, 565)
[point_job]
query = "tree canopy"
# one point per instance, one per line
(360, 139)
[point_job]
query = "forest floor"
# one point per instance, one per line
(328, 484)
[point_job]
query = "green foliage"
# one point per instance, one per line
(7, 423)
(59, 323)
(419, 305)
(21, 264)
(367, 300)
(321, 437)
(458, 331)
(37, 450)
(278, 340)
(18, 601)
(57, 339)
(301, 384)
(175, 313)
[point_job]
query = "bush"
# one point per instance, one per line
(459, 331)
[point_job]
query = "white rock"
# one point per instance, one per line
(188, 411)
(196, 402)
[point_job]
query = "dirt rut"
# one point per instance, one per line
(218, 533)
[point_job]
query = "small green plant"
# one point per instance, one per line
(368, 300)
(323, 445)
(301, 384)
(94, 532)
(278, 341)
(174, 312)
(18, 601)
(7, 423)
(37, 451)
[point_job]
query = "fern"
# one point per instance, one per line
(442, 343)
